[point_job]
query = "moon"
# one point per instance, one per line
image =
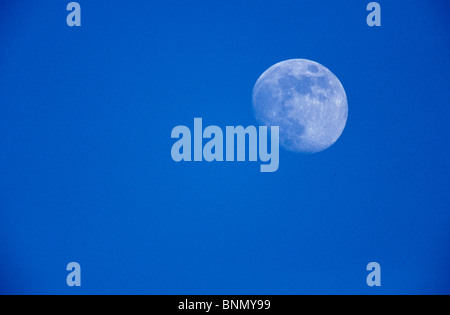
(306, 100)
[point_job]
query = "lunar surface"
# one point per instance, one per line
(307, 102)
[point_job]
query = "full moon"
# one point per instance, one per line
(306, 100)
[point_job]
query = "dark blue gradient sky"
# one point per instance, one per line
(86, 173)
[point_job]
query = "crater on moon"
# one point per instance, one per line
(307, 102)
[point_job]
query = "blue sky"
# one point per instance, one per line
(86, 173)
